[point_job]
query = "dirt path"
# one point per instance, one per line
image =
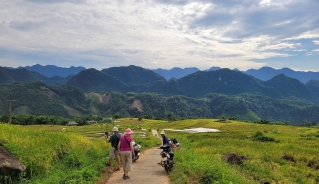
(144, 170)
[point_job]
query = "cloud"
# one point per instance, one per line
(251, 19)
(174, 2)
(158, 33)
(57, 1)
(26, 25)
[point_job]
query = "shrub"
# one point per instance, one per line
(259, 136)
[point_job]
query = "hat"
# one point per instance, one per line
(115, 129)
(128, 131)
(162, 132)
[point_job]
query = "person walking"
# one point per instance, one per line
(114, 140)
(126, 151)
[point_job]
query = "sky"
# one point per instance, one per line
(241, 34)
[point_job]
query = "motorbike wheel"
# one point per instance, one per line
(170, 166)
(166, 167)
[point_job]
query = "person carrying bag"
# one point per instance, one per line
(126, 151)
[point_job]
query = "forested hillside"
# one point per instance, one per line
(8, 76)
(94, 80)
(135, 91)
(41, 99)
(133, 75)
(198, 84)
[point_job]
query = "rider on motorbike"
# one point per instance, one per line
(165, 141)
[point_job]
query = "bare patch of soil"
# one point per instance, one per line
(106, 99)
(22, 110)
(72, 112)
(47, 92)
(137, 104)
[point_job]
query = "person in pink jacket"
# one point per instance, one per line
(126, 152)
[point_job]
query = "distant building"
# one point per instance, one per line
(107, 119)
(72, 123)
(92, 122)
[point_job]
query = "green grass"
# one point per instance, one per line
(53, 157)
(289, 154)
(277, 153)
(63, 154)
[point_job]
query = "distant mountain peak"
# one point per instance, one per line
(175, 72)
(52, 70)
(213, 68)
(265, 73)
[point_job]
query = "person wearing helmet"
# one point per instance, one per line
(164, 138)
(164, 142)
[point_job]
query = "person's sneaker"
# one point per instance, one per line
(123, 176)
(126, 177)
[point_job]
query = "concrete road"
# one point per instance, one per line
(145, 170)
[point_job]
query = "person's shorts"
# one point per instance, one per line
(113, 153)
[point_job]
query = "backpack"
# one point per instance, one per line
(116, 141)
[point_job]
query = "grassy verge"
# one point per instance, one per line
(277, 154)
(54, 157)
(61, 154)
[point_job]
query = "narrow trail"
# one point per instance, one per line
(144, 170)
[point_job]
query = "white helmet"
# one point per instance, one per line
(162, 132)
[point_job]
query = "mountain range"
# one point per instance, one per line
(200, 83)
(135, 91)
(264, 73)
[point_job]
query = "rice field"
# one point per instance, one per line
(279, 154)
(274, 153)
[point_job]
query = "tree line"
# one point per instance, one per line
(26, 119)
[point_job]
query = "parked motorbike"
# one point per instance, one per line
(137, 148)
(167, 158)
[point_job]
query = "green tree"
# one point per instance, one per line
(117, 116)
(80, 120)
(4, 118)
(171, 116)
(42, 120)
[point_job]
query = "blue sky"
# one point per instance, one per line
(161, 33)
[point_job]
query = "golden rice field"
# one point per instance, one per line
(276, 153)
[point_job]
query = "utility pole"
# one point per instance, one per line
(10, 111)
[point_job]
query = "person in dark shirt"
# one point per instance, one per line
(164, 138)
(165, 141)
(114, 140)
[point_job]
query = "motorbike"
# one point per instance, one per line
(167, 158)
(137, 148)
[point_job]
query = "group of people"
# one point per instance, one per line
(123, 148)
